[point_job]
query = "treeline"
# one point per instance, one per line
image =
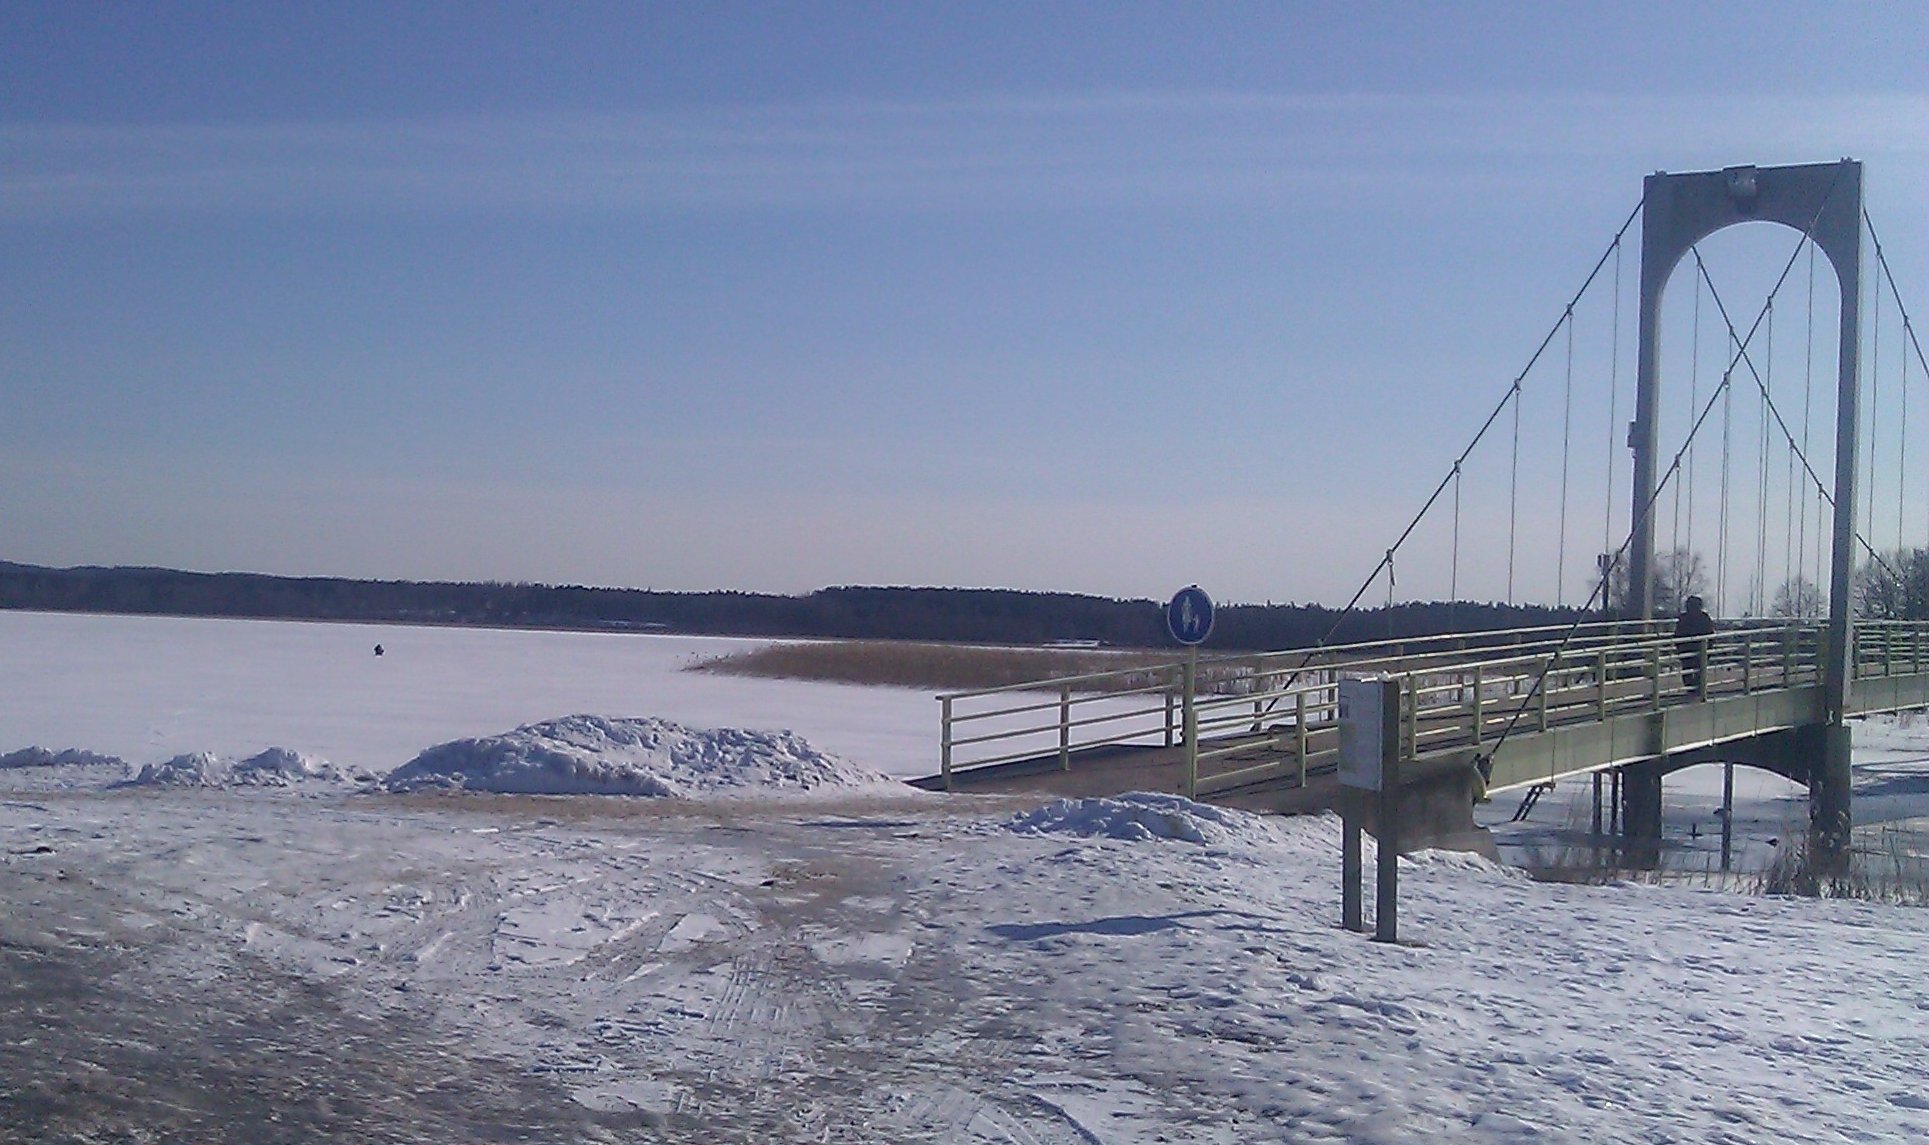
(1001, 616)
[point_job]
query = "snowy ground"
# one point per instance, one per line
(326, 960)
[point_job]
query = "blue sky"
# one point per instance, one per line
(1105, 298)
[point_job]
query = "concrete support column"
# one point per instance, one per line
(1641, 815)
(1828, 803)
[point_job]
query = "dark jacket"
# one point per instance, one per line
(1692, 624)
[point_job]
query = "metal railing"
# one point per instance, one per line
(1263, 717)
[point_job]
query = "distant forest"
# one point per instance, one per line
(1000, 616)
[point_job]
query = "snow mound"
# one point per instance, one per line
(195, 769)
(597, 755)
(1143, 815)
(276, 767)
(70, 757)
(279, 767)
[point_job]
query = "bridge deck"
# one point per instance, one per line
(1118, 768)
(1529, 712)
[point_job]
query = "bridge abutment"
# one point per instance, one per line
(1829, 822)
(1641, 814)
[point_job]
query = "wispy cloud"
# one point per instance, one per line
(985, 152)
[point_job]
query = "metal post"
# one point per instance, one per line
(1747, 664)
(1299, 723)
(1352, 865)
(944, 740)
(1170, 703)
(1064, 727)
(1386, 899)
(1480, 716)
(1654, 671)
(1191, 721)
(1601, 685)
(1413, 716)
(1727, 813)
(1597, 808)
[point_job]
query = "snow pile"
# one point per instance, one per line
(597, 755)
(70, 757)
(280, 767)
(276, 767)
(1142, 815)
(193, 769)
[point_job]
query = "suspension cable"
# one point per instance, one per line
(1389, 592)
(1607, 574)
(1727, 437)
(1758, 605)
(1791, 564)
(1875, 403)
(1485, 762)
(1567, 423)
(1453, 574)
(1902, 449)
(1888, 275)
(1513, 496)
(1808, 420)
(1908, 327)
(1745, 359)
(1493, 416)
(1694, 399)
(1614, 403)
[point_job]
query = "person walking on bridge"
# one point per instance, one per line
(1691, 632)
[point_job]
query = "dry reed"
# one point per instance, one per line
(944, 667)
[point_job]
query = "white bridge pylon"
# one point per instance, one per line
(1822, 201)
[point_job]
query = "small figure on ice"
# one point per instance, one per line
(378, 649)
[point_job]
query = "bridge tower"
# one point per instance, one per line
(1824, 202)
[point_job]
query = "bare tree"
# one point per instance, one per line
(1798, 599)
(1677, 575)
(1895, 587)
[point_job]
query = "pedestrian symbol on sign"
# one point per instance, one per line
(1189, 615)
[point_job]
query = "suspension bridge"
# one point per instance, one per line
(1727, 483)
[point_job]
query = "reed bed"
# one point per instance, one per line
(941, 667)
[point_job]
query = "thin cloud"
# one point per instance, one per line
(988, 153)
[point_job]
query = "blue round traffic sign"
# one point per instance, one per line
(1189, 615)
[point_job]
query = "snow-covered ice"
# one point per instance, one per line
(863, 966)
(149, 688)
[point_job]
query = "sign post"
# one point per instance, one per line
(1188, 617)
(1370, 763)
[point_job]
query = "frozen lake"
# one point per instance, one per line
(150, 688)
